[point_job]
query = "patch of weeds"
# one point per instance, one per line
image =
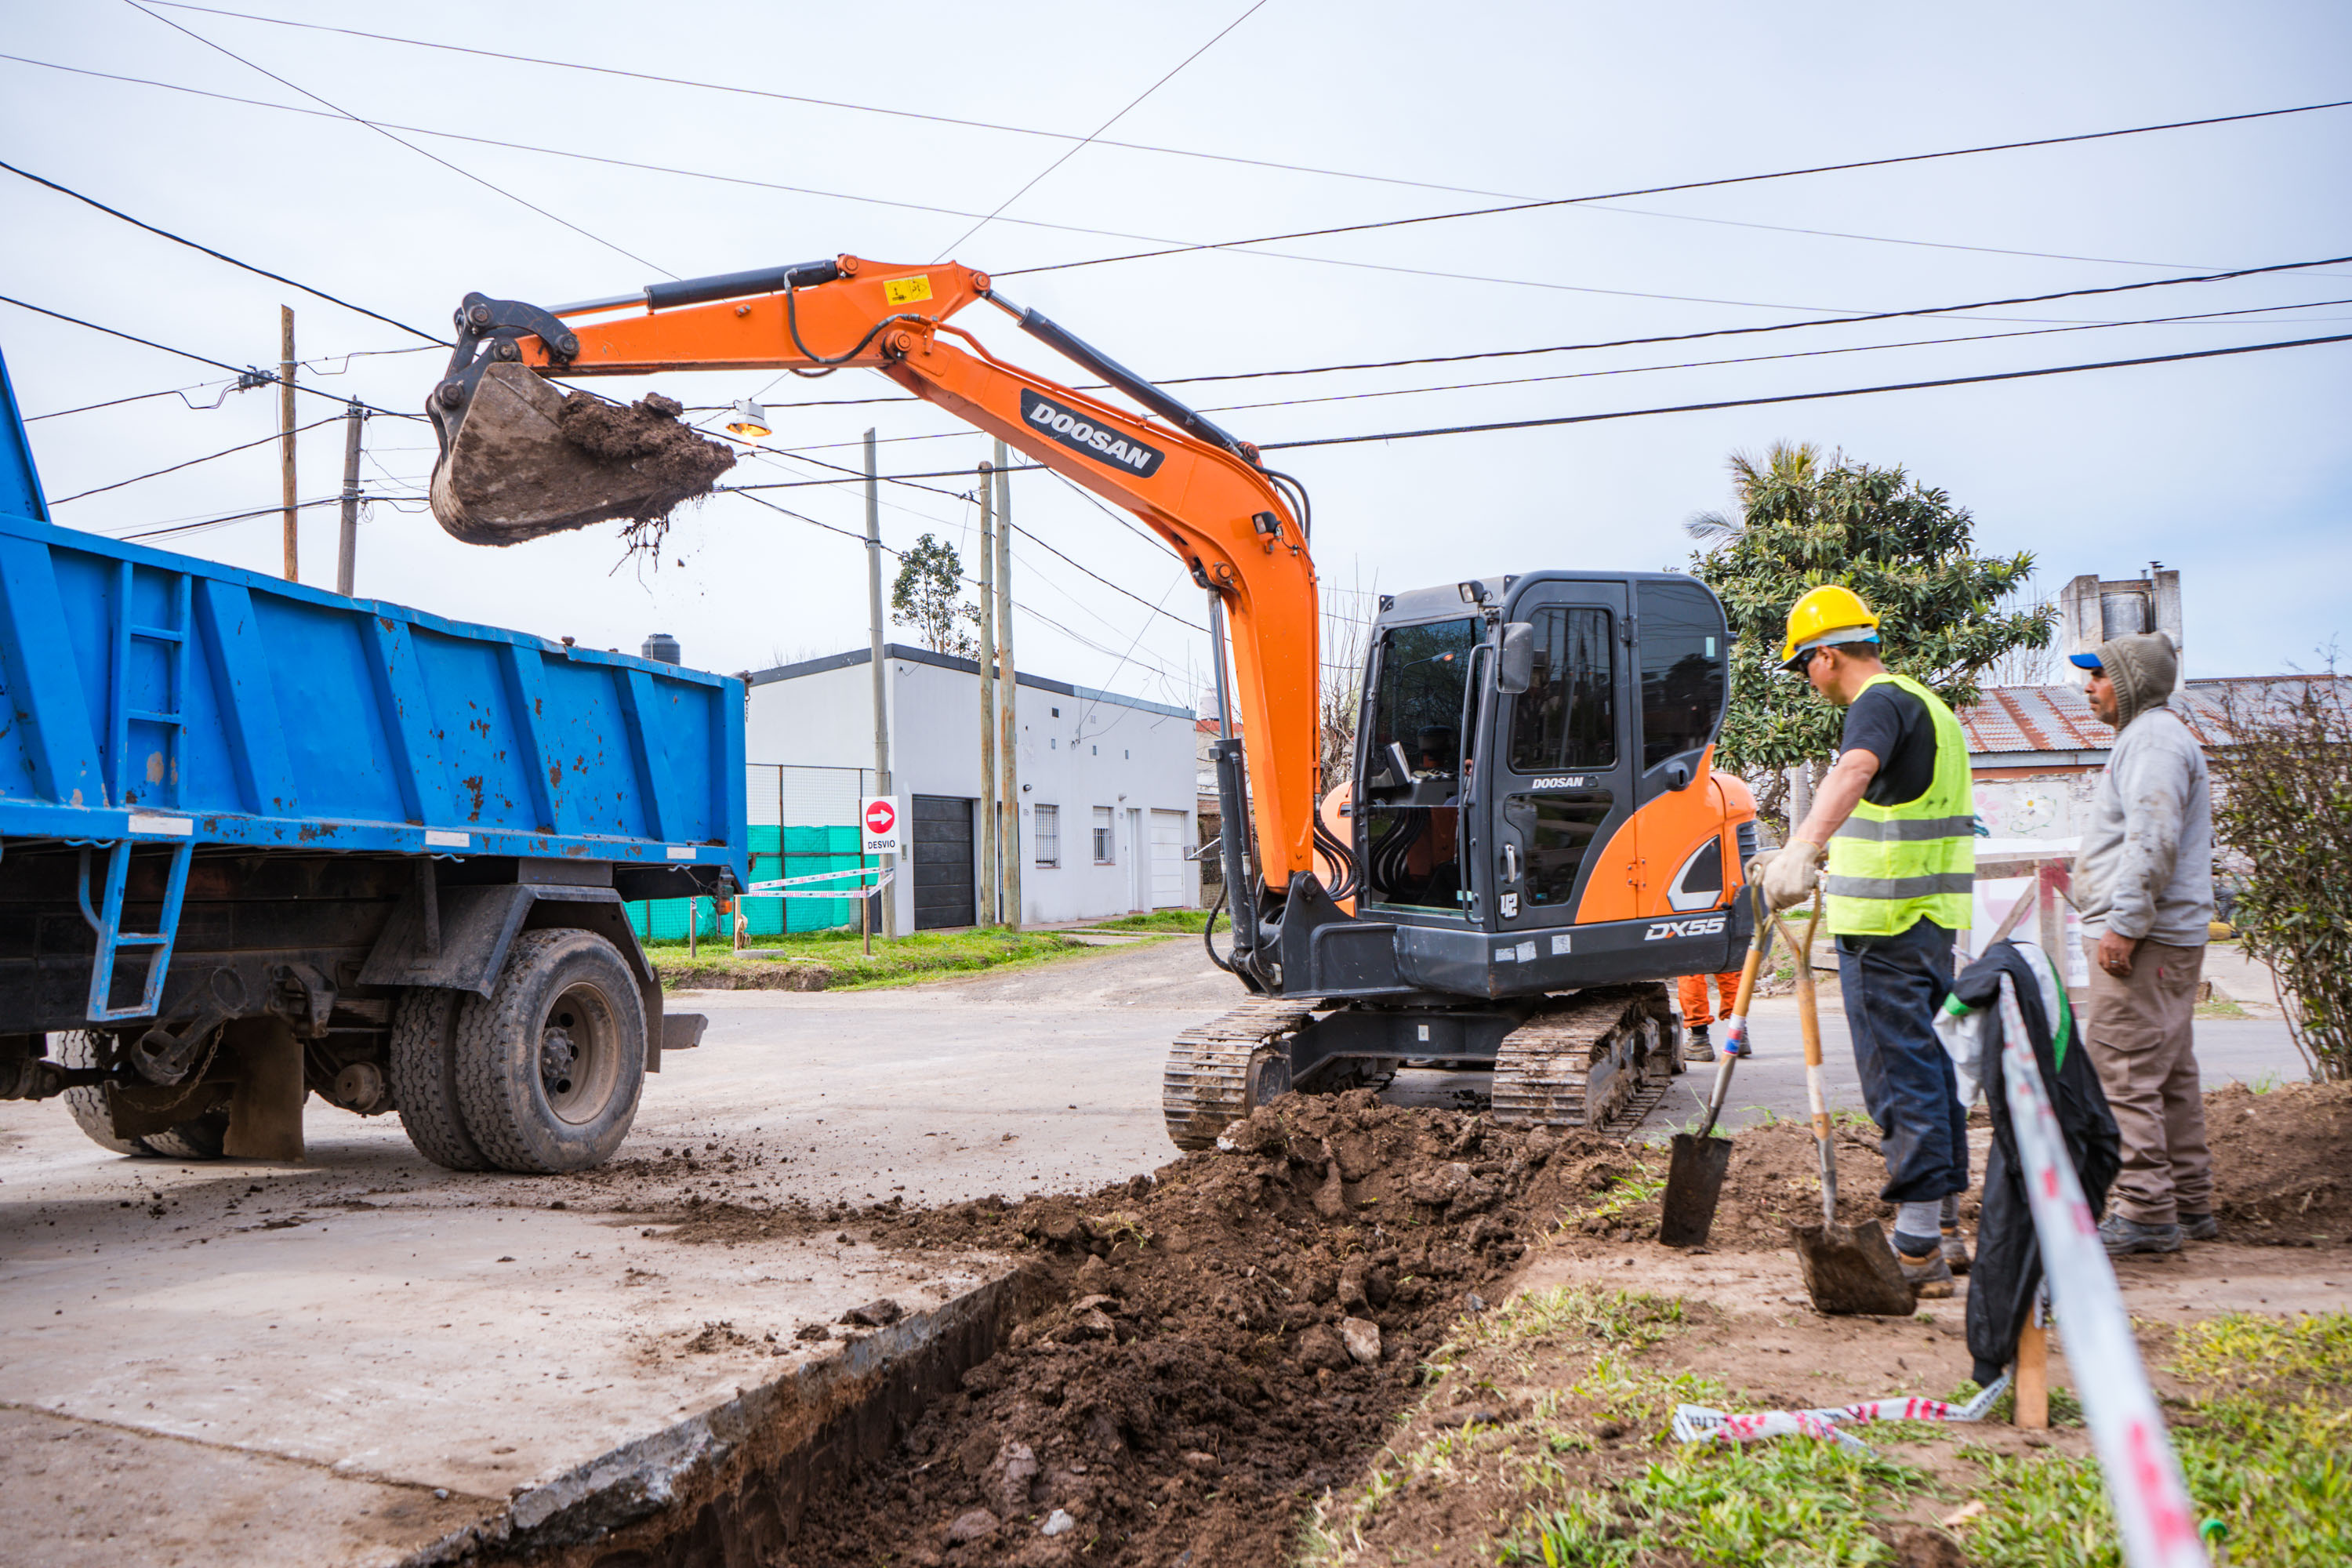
(1641, 1398)
(2265, 1449)
(1580, 1534)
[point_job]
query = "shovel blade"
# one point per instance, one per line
(1850, 1271)
(1693, 1185)
(511, 473)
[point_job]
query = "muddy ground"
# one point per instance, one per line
(1233, 1343)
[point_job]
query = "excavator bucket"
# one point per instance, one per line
(523, 459)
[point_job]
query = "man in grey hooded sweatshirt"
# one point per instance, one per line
(2144, 882)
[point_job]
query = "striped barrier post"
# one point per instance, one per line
(2153, 1513)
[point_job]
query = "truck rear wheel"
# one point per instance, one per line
(549, 1066)
(424, 1073)
(199, 1138)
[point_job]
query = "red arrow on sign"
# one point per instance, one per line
(880, 817)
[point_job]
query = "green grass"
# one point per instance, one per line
(897, 961)
(1157, 920)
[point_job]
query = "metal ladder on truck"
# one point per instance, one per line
(169, 722)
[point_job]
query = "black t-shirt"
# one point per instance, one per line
(1896, 727)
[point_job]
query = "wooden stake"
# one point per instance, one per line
(2033, 1375)
(286, 438)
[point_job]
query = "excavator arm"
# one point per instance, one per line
(507, 471)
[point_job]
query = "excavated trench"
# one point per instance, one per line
(1171, 1365)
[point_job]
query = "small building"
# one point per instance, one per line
(1107, 786)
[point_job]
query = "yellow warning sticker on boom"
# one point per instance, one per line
(906, 290)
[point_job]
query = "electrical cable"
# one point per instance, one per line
(178, 392)
(335, 499)
(453, 168)
(1807, 396)
(1690, 185)
(1071, 152)
(219, 255)
(269, 377)
(192, 462)
(1108, 582)
(1124, 146)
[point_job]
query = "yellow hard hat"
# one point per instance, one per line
(1828, 614)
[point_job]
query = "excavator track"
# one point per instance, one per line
(1206, 1086)
(1599, 1059)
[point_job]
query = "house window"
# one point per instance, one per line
(1047, 834)
(1102, 836)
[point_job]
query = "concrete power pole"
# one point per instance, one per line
(286, 438)
(991, 866)
(881, 684)
(348, 546)
(1007, 696)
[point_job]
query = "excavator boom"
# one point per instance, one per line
(520, 458)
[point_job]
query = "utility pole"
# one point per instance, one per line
(991, 869)
(1008, 697)
(881, 685)
(286, 437)
(348, 547)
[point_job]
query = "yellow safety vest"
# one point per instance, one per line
(1891, 866)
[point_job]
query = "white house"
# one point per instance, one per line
(1107, 789)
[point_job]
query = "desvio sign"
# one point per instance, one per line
(881, 818)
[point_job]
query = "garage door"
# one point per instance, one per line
(1167, 859)
(946, 893)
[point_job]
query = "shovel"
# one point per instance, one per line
(1849, 1269)
(1694, 1176)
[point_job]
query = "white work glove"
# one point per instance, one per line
(1786, 877)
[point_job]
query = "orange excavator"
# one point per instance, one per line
(1532, 840)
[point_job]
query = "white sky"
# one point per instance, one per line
(2237, 471)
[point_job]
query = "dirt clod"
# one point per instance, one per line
(879, 1314)
(674, 463)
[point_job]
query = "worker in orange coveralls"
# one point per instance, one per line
(1696, 1047)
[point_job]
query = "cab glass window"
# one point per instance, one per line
(1419, 700)
(1683, 654)
(1567, 718)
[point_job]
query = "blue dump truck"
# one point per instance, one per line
(259, 841)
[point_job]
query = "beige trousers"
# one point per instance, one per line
(2141, 1039)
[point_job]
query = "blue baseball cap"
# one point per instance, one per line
(2084, 661)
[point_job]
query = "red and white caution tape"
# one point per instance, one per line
(791, 887)
(1697, 1424)
(2144, 1488)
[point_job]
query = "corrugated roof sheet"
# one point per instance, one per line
(2024, 718)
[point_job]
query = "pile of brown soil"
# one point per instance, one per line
(2283, 1161)
(1230, 1340)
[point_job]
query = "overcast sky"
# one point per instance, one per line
(2236, 470)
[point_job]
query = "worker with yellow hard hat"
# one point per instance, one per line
(1897, 817)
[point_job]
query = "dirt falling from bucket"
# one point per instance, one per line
(650, 437)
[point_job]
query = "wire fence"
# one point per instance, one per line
(804, 820)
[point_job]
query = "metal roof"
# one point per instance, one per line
(2013, 720)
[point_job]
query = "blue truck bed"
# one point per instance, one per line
(226, 776)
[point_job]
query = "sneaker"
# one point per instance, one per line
(1929, 1277)
(1955, 1250)
(2200, 1226)
(1696, 1047)
(2120, 1236)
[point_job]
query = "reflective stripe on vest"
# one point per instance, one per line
(1892, 865)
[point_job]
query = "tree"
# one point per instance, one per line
(1904, 547)
(928, 596)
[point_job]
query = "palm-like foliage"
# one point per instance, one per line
(1805, 520)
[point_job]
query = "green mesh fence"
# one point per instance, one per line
(802, 852)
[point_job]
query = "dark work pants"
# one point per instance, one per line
(1893, 986)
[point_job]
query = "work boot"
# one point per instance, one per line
(2200, 1226)
(1929, 1277)
(1955, 1250)
(2120, 1236)
(1696, 1047)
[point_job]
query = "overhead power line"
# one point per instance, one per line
(1275, 166)
(269, 377)
(1689, 186)
(347, 115)
(192, 462)
(220, 255)
(1073, 151)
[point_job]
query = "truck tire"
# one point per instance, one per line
(86, 1106)
(197, 1139)
(550, 1062)
(424, 1074)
